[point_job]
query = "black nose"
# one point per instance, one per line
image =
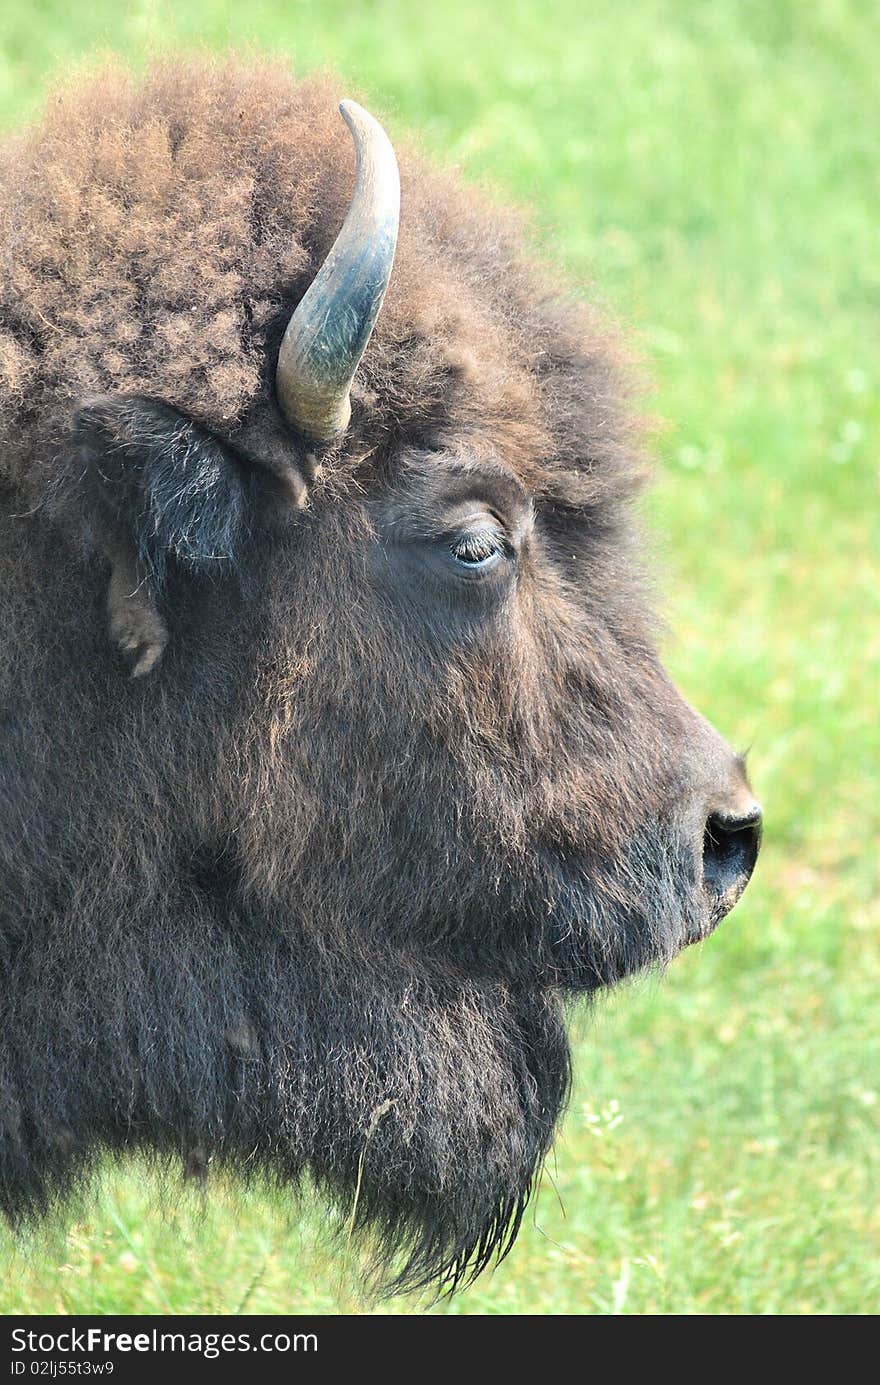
(730, 850)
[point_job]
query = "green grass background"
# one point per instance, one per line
(713, 166)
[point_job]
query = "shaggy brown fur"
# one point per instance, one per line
(305, 897)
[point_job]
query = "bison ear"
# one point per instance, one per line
(158, 489)
(178, 490)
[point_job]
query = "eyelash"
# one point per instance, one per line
(479, 549)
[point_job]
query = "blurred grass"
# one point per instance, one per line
(714, 167)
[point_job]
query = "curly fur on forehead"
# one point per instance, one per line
(155, 236)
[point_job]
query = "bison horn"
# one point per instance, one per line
(328, 333)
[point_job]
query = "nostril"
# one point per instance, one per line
(730, 850)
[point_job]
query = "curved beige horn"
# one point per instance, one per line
(328, 333)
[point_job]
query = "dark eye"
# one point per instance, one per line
(479, 548)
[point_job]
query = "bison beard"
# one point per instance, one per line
(423, 1102)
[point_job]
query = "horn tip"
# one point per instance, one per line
(359, 120)
(350, 110)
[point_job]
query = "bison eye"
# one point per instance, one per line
(479, 549)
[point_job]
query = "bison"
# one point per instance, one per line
(336, 751)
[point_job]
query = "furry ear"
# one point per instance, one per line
(159, 489)
(176, 488)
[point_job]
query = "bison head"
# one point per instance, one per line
(403, 770)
